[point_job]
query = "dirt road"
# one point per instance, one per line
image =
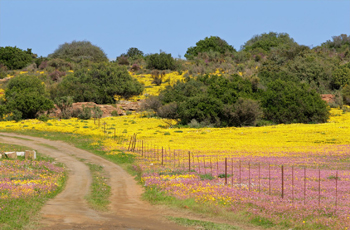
(69, 210)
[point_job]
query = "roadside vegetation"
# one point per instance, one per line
(25, 186)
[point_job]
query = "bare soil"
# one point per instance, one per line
(69, 209)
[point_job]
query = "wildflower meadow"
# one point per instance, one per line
(288, 175)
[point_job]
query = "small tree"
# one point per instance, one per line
(27, 95)
(65, 105)
(160, 61)
(15, 58)
(213, 43)
(79, 51)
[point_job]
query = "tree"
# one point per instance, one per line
(267, 41)
(99, 84)
(338, 42)
(134, 53)
(26, 94)
(290, 102)
(161, 61)
(212, 43)
(78, 51)
(15, 58)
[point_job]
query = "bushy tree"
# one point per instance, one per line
(15, 58)
(99, 84)
(290, 102)
(340, 42)
(267, 41)
(212, 43)
(134, 53)
(161, 61)
(27, 95)
(79, 51)
(341, 76)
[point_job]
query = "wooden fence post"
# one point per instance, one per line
(225, 170)
(189, 161)
(282, 181)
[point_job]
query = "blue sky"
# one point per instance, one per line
(171, 26)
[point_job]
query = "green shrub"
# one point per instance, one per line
(97, 112)
(213, 43)
(3, 71)
(161, 61)
(98, 84)
(267, 41)
(78, 51)
(84, 113)
(115, 113)
(289, 102)
(15, 58)
(345, 92)
(207, 176)
(28, 95)
(43, 117)
(65, 104)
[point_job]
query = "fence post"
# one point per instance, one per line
(282, 182)
(336, 190)
(162, 156)
(225, 170)
(142, 149)
(189, 161)
(211, 167)
(319, 187)
(269, 179)
(304, 184)
(240, 174)
(232, 172)
(292, 184)
(249, 176)
(259, 177)
(205, 170)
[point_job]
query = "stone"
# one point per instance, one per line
(11, 155)
(30, 155)
(20, 154)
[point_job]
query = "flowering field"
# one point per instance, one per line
(24, 186)
(291, 175)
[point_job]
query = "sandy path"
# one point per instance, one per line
(69, 210)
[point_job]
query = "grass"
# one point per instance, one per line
(100, 192)
(19, 213)
(204, 225)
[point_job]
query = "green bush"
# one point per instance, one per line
(65, 104)
(84, 113)
(27, 94)
(267, 41)
(98, 84)
(78, 51)
(15, 58)
(289, 102)
(345, 92)
(134, 53)
(115, 113)
(213, 43)
(161, 61)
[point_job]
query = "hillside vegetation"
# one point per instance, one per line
(271, 79)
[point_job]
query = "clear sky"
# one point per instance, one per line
(171, 26)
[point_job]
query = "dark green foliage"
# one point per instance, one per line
(15, 58)
(341, 76)
(340, 42)
(123, 60)
(84, 113)
(161, 61)
(289, 102)
(78, 51)
(345, 92)
(27, 94)
(206, 100)
(99, 84)
(266, 41)
(134, 53)
(213, 43)
(245, 112)
(3, 70)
